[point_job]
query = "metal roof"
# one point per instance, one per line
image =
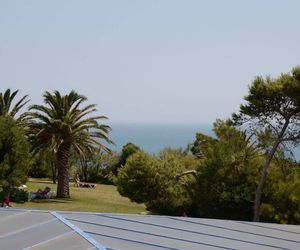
(38, 229)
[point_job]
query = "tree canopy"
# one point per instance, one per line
(272, 104)
(14, 154)
(226, 177)
(127, 150)
(151, 180)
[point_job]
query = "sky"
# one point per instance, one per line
(152, 61)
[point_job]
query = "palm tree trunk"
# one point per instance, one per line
(259, 190)
(62, 159)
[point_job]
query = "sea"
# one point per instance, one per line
(152, 138)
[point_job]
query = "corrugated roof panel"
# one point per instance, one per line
(70, 240)
(179, 232)
(141, 234)
(28, 229)
(39, 229)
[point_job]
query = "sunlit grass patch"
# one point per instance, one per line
(103, 198)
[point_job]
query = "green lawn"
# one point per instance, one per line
(104, 198)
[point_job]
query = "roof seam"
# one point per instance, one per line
(79, 231)
(184, 240)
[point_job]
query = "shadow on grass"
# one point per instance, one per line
(43, 181)
(54, 200)
(71, 184)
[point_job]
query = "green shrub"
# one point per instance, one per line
(19, 195)
(16, 195)
(151, 180)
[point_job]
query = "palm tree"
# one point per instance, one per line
(6, 100)
(61, 125)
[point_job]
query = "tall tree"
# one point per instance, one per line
(14, 154)
(272, 105)
(6, 103)
(62, 125)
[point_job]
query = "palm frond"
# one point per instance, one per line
(62, 120)
(6, 100)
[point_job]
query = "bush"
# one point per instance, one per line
(137, 179)
(19, 195)
(281, 199)
(150, 180)
(226, 178)
(16, 195)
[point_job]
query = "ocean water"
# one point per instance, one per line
(152, 138)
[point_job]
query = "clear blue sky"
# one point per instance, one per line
(152, 61)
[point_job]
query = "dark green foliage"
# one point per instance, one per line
(41, 166)
(39, 170)
(16, 195)
(273, 99)
(200, 146)
(173, 196)
(127, 150)
(151, 180)
(281, 199)
(136, 179)
(14, 154)
(228, 176)
(272, 105)
(225, 178)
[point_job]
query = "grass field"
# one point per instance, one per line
(104, 198)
